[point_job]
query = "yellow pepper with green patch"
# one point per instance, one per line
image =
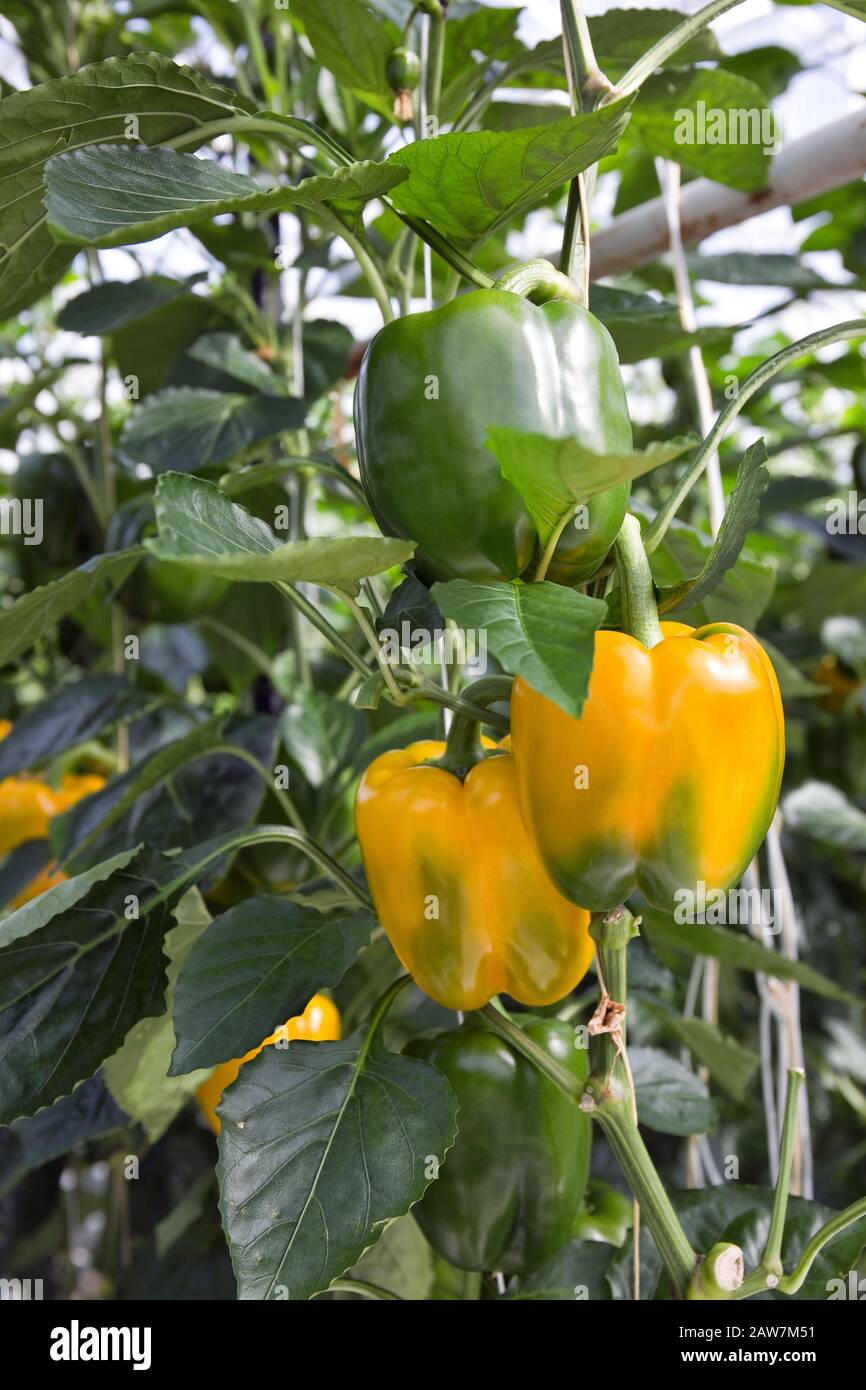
(669, 779)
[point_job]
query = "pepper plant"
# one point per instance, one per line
(380, 691)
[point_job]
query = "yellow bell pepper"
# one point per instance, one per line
(457, 886)
(27, 807)
(670, 777)
(320, 1022)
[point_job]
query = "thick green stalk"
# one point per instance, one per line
(580, 65)
(611, 932)
(613, 1113)
(639, 611)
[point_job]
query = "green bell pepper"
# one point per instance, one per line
(509, 1191)
(429, 387)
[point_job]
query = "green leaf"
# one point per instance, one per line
(731, 1064)
(352, 43)
(96, 103)
(89, 1114)
(336, 1137)
(25, 622)
(575, 1273)
(137, 1075)
(81, 710)
(191, 428)
(823, 813)
(401, 1261)
(116, 195)
(769, 66)
(68, 993)
(201, 527)
(552, 475)
(754, 268)
(644, 327)
(620, 37)
(327, 348)
(225, 353)
(202, 796)
(670, 1098)
(670, 122)
(115, 304)
(257, 966)
(543, 632)
(105, 808)
(739, 519)
(468, 185)
(318, 731)
(736, 948)
(855, 8)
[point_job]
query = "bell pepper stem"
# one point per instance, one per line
(500, 1023)
(539, 281)
(461, 705)
(463, 747)
(640, 615)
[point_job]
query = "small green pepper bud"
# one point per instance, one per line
(403, 71)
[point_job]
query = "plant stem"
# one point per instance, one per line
(286, 803)
(639, 612)
(443, 248)
(458, 702)
(611, 932)
(616, 1123)
(852, 328)
(533, 1052)
(435, 60)
(771, 1261)
(793, 1282)
(369, 632)
(580, 63)
(255, 653)
(666, 46)
(328, 631)
(365, 260)
(553, 542)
